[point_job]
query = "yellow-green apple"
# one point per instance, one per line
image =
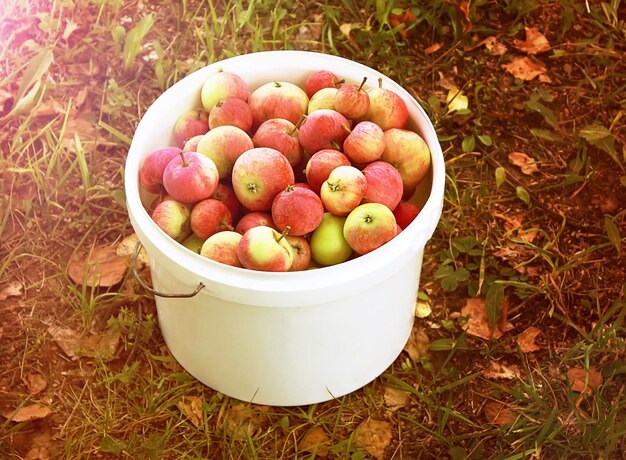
(233, 112)
(384, 184)
(328, 245)
(277, 100)
(172, 217)
(258, 175)
(189, 124)
(352, 101)
(320, 165)
(222, 85)
(190, 177)
(368, 227)
(193, 243)
(297, 208)
(152, 167)
(254, 219)
(318, 80)
(405, 213)
(407, 151)
(365, 143)
(387, 108)
(323, 129)
(191, 145)
(226, 195)
(208, 217)
(301, 253)
(222, 247)
(343, 190)
(223, 145)
(323, 99)
(263, 248)
(282, 135)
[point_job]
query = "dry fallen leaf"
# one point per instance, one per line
(447, 83)
(497, 413)
(584, 383)
(244, 420)
(525, 68)
(433, 48)
(27, 413)
(126, 248)
(396, 399)
(527, 164)
(501, 371)
(316, 442)
(101, 267)
(191, 407)
(374, 436)
(456, 100)
(418, 344)
(493, 45)
(526, 340)
(535, 42)
(478, 322)
(38, 453)
(35, 383)
(345, 29)
(103, 346)
(12, 289)
(422, 309)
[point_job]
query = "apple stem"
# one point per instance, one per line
(284, 233)
(335, 145)
(339, 82)
(297, 126)
(346, 128)
(220, 70)
(219, 103)
(277, 84)
(362, 83)
(182, 157)
(380, 82)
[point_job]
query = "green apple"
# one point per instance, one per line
(323, 99)
(193, 243)
(328, 245)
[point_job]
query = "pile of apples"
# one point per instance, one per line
(284, 178)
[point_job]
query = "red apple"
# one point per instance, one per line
(405, 213)
(222, 247)
(318, 80)
(152, 167)
(365, 143)
(223, 145)
(323, 129)
(297, 208)
(231, 112)
(352, 101)
(226, 195)
(320, 165)
(222, 85)
(190, 177)
(301, 253)
(343, 190)
(368, 227)
(323, 99)
(189, 124)
(254, 219)
(208, 217)
(387, 109)
(277, 100)
(282, 135)
(408, 152)
(258, 175)
(191, 145)
(173, 218)
(263, 248)
(384, 184)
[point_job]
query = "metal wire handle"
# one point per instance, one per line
(153, 291)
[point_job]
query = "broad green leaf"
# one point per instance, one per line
(118, 33)
(113, 446)
(500, 176)
(456, 101)
(485, 139)
(546, 135)
(612, 232)
(600, 137)
(134, 38)
(547, 114)
(493, 302)
(34, 71)
(522, 194)
(444, 344)
(468, 143)
(30, 100)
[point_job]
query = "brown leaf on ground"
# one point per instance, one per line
(35, 383)
(11, 289)
(497, 413)
(191, 407)
(433, 48)
(493, 45)
(418, 344)
(100, 267)
(478, 322)
(535, 42)
(447, 83)
(315, 441)
(126, 248)
(527, 164)
(396, 399)
(526, 340)
(346, 30)
(501, 371)
(103, 346)
(244, 420)
(38, 453)
(525, 68)
(82, 127)
(584, 383)
(374, 436)
(27, 413)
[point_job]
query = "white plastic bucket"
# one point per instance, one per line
(293, 338)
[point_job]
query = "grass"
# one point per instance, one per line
(542, 249)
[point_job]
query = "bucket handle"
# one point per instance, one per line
(153, 291)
